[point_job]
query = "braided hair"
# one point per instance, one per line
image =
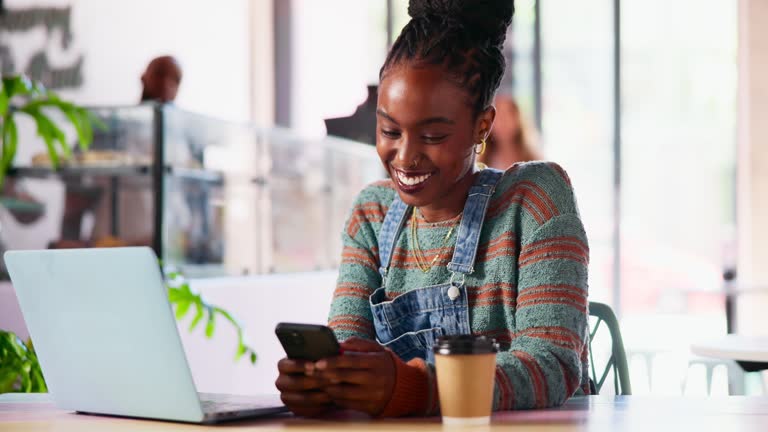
(463, 36)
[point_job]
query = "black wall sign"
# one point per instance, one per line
(54, 21)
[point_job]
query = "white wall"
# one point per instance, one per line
(118, 38)
(259, 302)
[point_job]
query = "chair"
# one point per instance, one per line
(617, 361)
(735, 374)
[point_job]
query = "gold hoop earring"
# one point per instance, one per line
(482, 147)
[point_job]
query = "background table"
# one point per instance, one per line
(750, 352)
(735, 347)
(25, 413)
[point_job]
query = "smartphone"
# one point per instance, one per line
(307, 341)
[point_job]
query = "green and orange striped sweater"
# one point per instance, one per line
(528, 290)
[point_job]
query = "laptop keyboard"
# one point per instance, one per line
(217, 402)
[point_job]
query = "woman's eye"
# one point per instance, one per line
(434, 138)
(390, 133)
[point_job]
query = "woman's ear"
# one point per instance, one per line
(484, 123)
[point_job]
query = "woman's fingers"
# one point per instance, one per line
(288, 366)
(298, 383)
(360, 380)
(350, 360)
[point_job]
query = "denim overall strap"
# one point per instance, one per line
(468, 236)
(390, 230)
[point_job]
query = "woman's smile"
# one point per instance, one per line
(411, 181)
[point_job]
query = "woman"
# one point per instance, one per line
(511, 139)
(446, 248)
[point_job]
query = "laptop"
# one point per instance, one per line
(106, 337)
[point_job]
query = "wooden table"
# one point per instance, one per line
(735, 347)
(594, 413)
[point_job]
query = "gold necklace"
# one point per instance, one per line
(420, 259)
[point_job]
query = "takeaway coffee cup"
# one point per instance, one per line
(465, 366)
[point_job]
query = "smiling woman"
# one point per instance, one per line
(426, 131)
(446, 247)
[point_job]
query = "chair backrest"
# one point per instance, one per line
(617, 361)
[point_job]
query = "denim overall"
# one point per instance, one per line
(411, 323)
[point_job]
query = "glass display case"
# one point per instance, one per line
(211, 197)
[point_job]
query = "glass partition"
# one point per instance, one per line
(211, 197)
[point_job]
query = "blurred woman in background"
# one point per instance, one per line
(512, 140)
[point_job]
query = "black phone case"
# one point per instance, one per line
(307, 341)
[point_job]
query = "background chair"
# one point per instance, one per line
(617, 361)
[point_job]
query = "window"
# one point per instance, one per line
(678, 157)
(337, 48)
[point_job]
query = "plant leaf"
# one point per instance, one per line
(82, 119)
(8, 378)
(173, 295)
(38, 380)
(17, 85)
(44, 132)
(198, 315)
(181, 308)
(228, 316)
(5, 101)
(26, 382)
(10, 142)
(16, 346)
(241, 349)
(8, 85)
(58, 135)
(13, 140)
(210, 326)
(253, 357)
(10, 139)
(76, 120)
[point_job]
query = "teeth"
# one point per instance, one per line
(412, 181)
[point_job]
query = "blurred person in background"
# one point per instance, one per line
(512, 139)
(160, 82)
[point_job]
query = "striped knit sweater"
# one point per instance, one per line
(528, 290)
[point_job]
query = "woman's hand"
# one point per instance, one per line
(361, 379)
(300, 389)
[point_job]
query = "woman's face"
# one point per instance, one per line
(425, 134)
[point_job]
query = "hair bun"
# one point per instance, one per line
(486, 19)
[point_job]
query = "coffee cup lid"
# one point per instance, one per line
(465, 344)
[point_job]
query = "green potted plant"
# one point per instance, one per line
(20, 370)
(183, 298)
(21, 96)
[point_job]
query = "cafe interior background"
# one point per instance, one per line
(655, 108)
